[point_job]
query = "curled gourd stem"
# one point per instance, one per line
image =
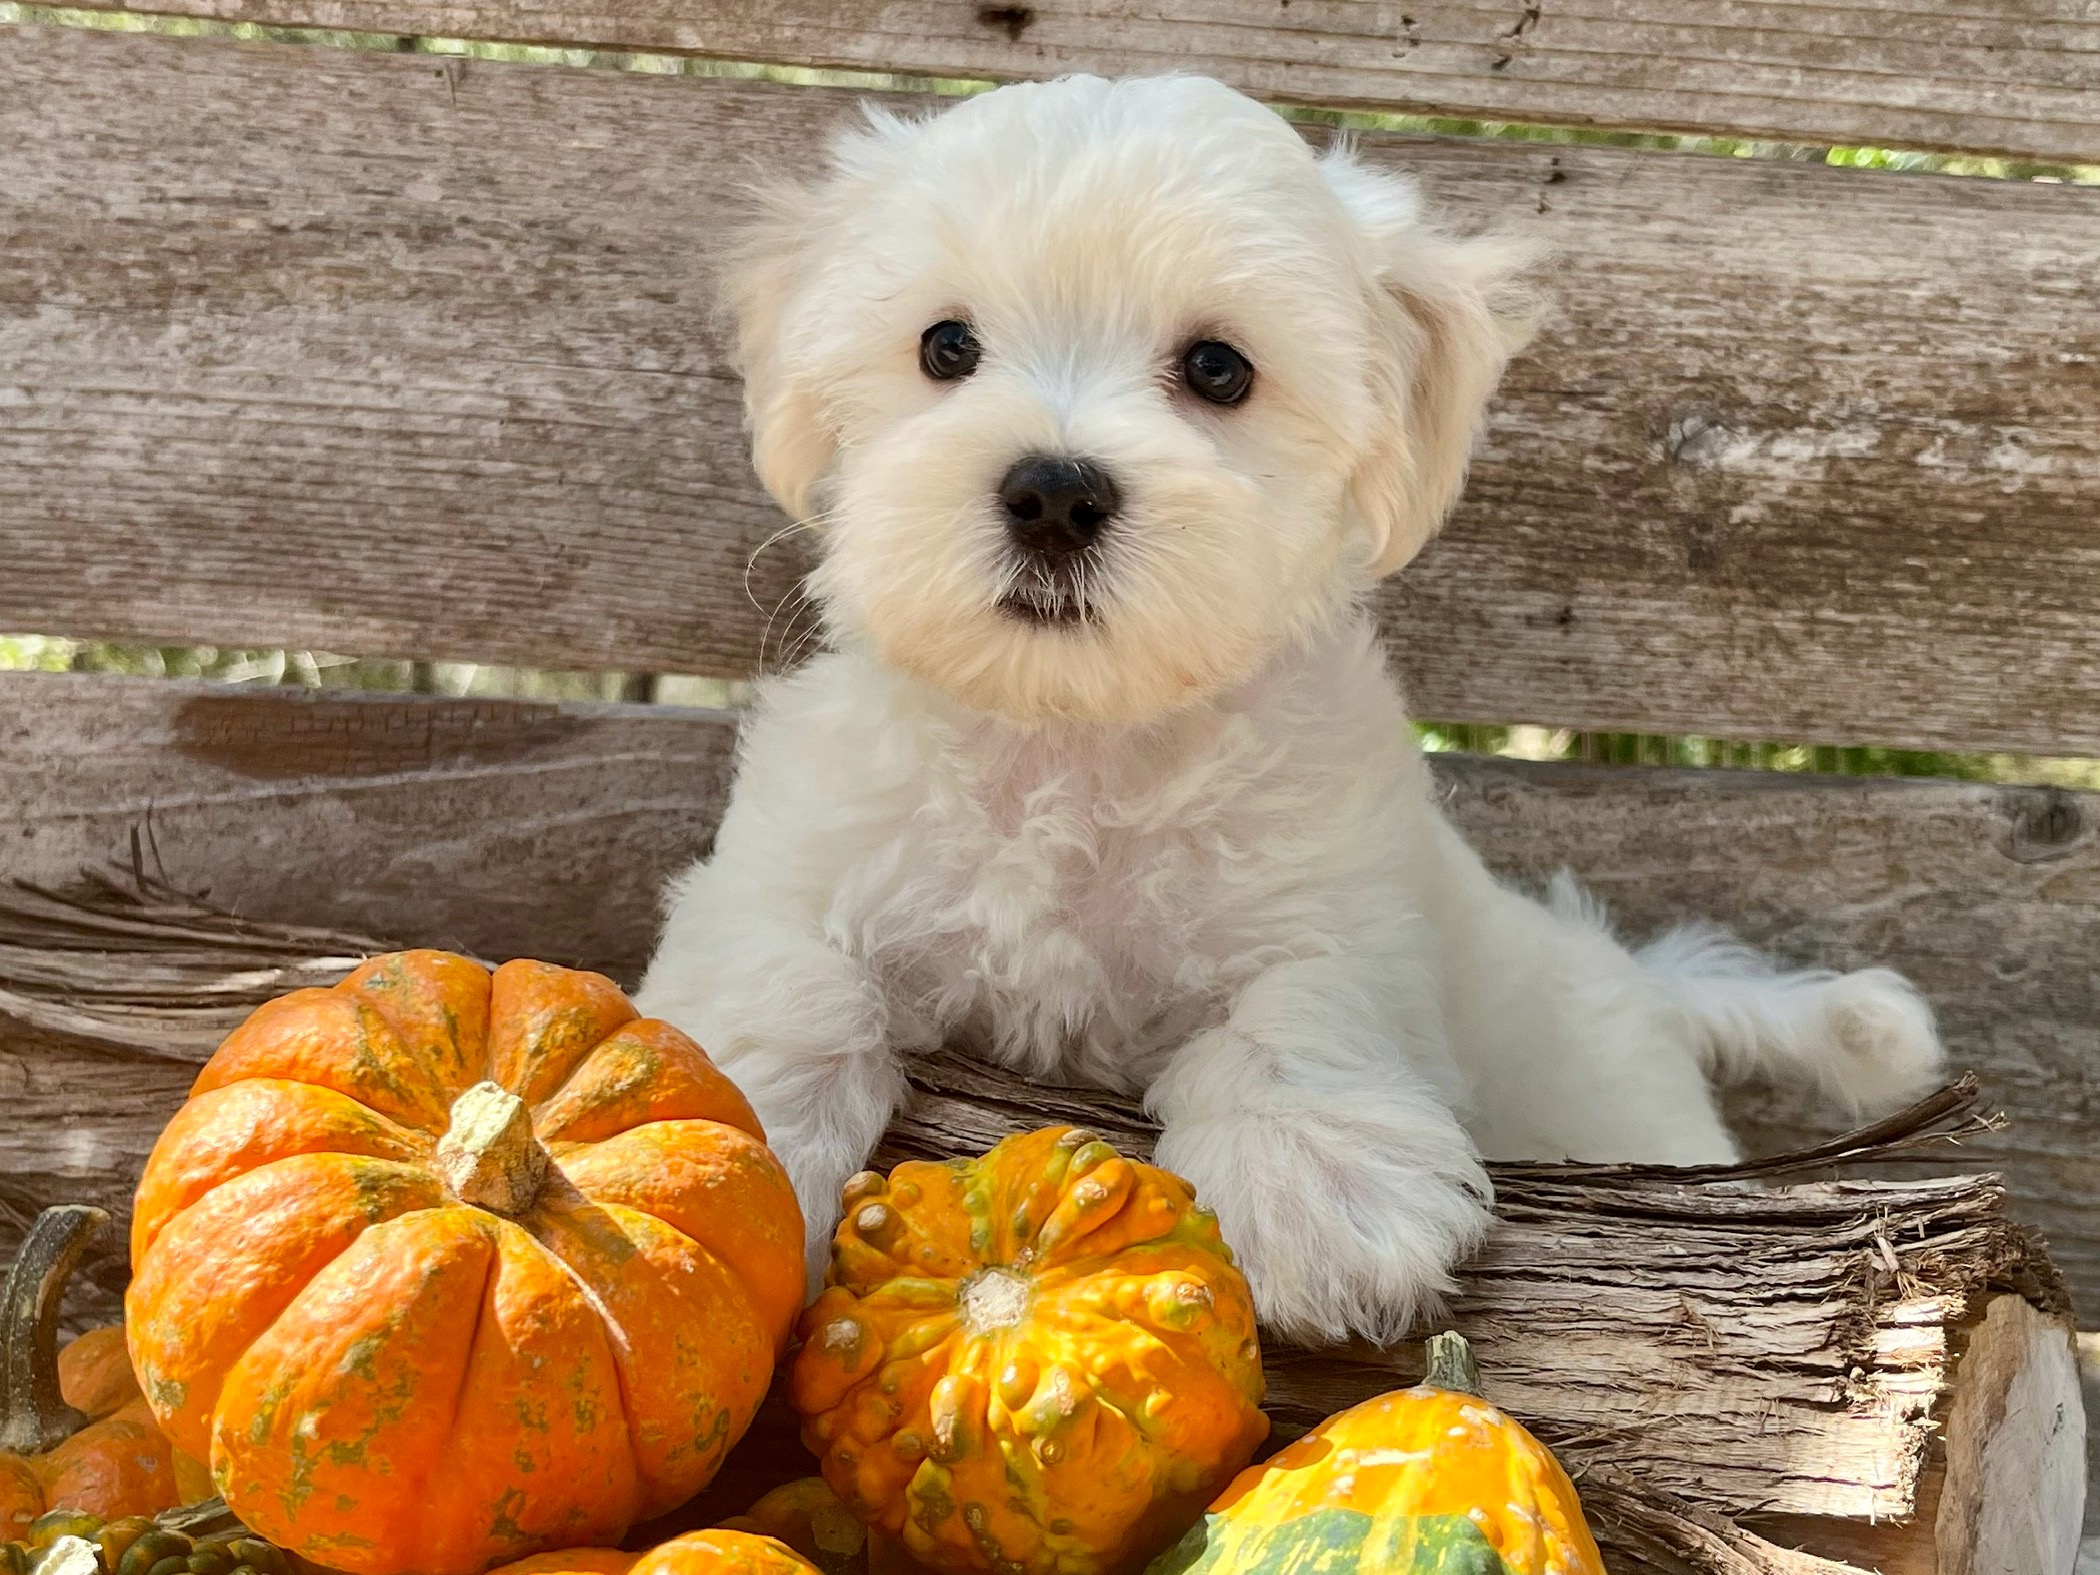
(1451, 1364)
(34, 1417)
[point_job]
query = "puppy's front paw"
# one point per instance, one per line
(823, 1114)
(1340, 1233)
(1320, 1277)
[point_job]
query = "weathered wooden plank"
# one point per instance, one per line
(499, 827)
(2011, 76)
(396, 355)
(509, 828)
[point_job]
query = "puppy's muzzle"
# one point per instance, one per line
(1056, 509)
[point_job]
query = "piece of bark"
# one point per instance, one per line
(1645, 1527)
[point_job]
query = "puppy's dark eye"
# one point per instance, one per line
(1215, 371)
(949, 350)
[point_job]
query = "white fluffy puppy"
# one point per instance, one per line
(1112, 400)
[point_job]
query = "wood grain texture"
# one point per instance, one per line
(2013, 1505)
(2089, 1382)
(395, 355)
(506, 828)
(500, 828)
(2014, 76)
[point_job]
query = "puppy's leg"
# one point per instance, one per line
(1865, 1040)
(1339, 1174)
(800, 1027)
(1580, 1049)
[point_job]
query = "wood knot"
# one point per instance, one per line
(1015, 19)
(2042, 824)
(1697, 437)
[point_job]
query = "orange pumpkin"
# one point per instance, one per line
(74, 1431)
(1422, 1481)
(695, 1553)
(1042, 1360)
(807, 1516)
(94, 1372)
(722, 1553)
(441, 1268)
(572, 1561)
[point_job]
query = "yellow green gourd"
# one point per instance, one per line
(1425, 1481)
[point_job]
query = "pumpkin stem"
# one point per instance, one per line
(34, 1416)
(992, 1299)
(1451, 1364)
(488, 1155)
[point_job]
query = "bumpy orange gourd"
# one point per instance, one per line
(74, 1431)
(695, 1553)
(442, 1268)
(1424, 1481)
(1042, 1360)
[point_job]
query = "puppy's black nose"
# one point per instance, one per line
(1055, 506)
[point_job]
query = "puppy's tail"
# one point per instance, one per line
(1865, 1040)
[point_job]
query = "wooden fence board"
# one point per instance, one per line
(498, 827)
(2013, 76)
(547, 830)
(392, 355)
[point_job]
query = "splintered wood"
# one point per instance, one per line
(1732, 1361)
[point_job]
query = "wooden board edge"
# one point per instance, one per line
(2013, 1494)
(999, 50)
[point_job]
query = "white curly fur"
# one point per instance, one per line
(1189, 846)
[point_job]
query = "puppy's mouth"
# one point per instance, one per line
(1050, 596)
(1048, 608)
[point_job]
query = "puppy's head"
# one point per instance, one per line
(1102, 391)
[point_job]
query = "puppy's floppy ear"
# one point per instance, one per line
(760, 269)
(1447, 317)
(787, 226)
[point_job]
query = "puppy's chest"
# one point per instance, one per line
(1051, 932)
